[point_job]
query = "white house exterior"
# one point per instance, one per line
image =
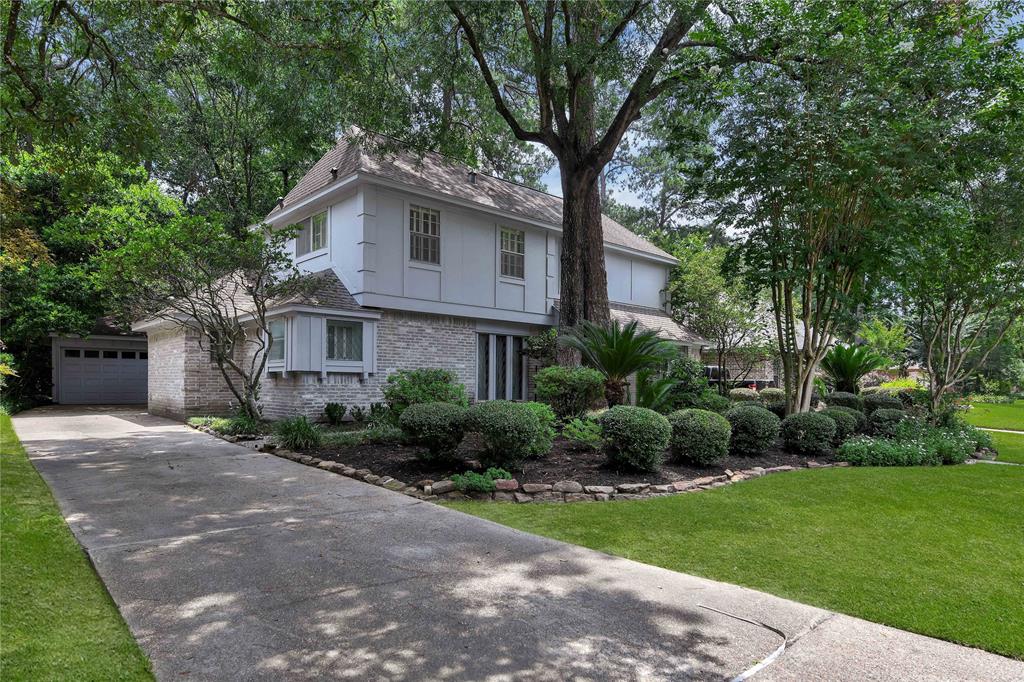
(423, 263)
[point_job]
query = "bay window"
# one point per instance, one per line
(344, 341)
(277, 340)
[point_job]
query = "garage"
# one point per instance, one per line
(102, 369)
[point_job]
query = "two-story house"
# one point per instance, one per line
(422, 262)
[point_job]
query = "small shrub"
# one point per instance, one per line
(635, 437)
(844, 399)
(570, 391)
(777, 407)
(359, 413)
(744, 395)
(546, 417)
(343, 439)
(883, 421)
(882, 452)
(383, 433)
(699, 437)
(436, 426)
(709, 400)
(881, 401)
(859, 418)
(771, 394)
(472, 482)
(808, 433)
(379, 414)
(411, 386)
(229, 426)
(297, 433)
(334, 412)
(688, 375)
(754, 429)
(584, 433)
(846, 423)
(510, 431)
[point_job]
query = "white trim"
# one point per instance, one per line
(102, 337)
(275, 220)
(315, 310)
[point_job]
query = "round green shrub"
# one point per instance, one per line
(744, 395)
(808, 433)
(881, 401)
(883, 421)
(635, 437)
(411, 386)
(777, 407)
(771, 394)
(846, 423)
(510, 431)
(570, 391)
(546, 436)
(860, 419)
(436, 426)
(844, 399)
(297, 433)
(754, 429)
(709, 400)
(699, 437)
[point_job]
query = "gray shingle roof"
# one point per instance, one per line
(323, 289)
(375, 155)
(656, 321)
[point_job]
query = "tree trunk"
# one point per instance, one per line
(614, 392)
(571, 306)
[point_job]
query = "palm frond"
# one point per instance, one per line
(845, 365)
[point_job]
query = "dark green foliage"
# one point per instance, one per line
(334, 412)
(635, 437)
(846, 423)
(654, 390)
(699, 437)
(472, 482)
(584, 433)
(709, 399)
(885, 452)
(844, 366)
(546, 435)
(754, 429)
(569, 390)
(771, 394)
(776, 407)
(880, 401)
(687, 373)
(808, 433)
(237, 425)
(911, 442)
(860, 419)
(744, 395)
(844, 399)
(379, 414)
(510, 431)
(297, 433)
(883, 421)
(542, 347)
(411, 386)
(436, 426)
(358, 413)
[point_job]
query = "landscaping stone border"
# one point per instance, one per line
(510, 490)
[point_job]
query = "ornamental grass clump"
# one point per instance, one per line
(509, 431)
(436, 426)
(297, 433)
(754, 429)
(699, 437)
(635, 437)
(808, 433)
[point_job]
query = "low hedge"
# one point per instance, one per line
(808, 433)
(844, 399)
(846, 423)
(709, 400)
(570, 391)
(509, 430)
(881, 401)
(744, 395)
(754, 429)
(635, 437)
(883, 421)
(699, 437)
(437, 426)
(859, 417)
(771, 394)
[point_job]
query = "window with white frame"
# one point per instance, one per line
(501, 367)
(344, 340)
(313, 234)
(424, 235)
(513, 253)
(277, 336)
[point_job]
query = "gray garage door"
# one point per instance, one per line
(102, 377)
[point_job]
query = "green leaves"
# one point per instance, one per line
(845, 365)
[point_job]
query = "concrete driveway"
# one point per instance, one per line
(232, 564)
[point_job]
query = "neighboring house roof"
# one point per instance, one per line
(107, 326)
(656, 321)
(437, 173)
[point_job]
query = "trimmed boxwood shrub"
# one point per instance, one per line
(771, 394)
(808, 433)
(436, 426)
(883, 421)
(846, 423)
(743, 395)
(570, 391)
(411, 386)
(754, 429)
(509, 431)
(881, 401)
(844, 399)
(635, 437)
(777, 407)
(699, 437)
(546, 416)
(859, 417)
(709, 400)
(297, 433)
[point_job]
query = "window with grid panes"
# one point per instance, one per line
(424, 235)
(513, 253)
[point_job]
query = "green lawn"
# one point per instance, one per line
(1008, 416)
(56, 619)
(1009, 445)
(935, 550)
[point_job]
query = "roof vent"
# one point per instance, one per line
(472, 177)
(280, 201)
(334, 172)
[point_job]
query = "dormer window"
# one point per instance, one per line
(312, 236)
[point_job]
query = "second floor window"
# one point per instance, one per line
(313, 235)
(277, 328)
(344, 340)
(424, 235)
(513, 253)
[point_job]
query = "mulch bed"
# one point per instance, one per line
(563, 463)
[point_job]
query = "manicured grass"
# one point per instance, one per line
(57, 620)
(1009, 445)
(1006, 416)
(935, 550)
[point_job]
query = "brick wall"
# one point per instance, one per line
(166, 373)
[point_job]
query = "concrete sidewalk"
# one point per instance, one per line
(232, 564)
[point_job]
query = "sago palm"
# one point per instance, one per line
(844, 366)
(617, 352)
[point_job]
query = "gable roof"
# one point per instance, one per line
(385, 158)
(322, 289)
